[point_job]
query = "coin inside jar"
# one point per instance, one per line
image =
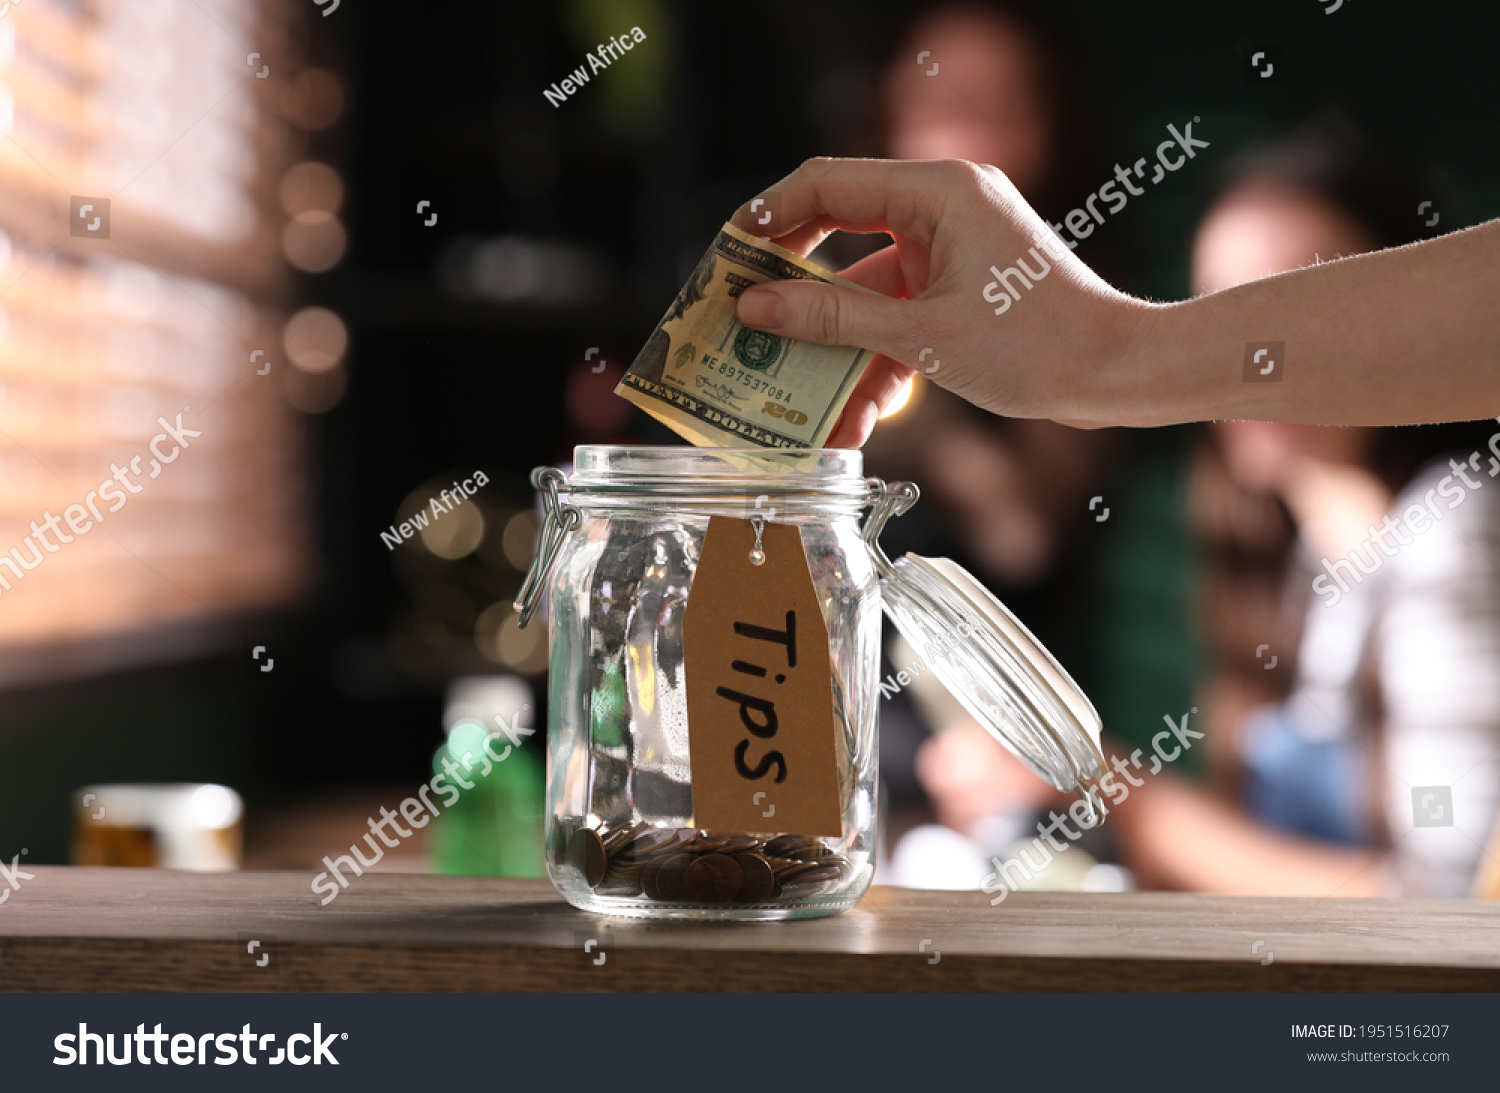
(758, 883)
(621, 881)
(621, 836)
(663, 877)
(739, 844)
(586, 853)
(630, 858)
(801, 847)
(705, 842)
(649, 845)
(811, 873)
(713, 878)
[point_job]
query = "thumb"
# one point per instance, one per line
(827, 315)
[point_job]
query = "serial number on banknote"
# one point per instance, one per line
(755, 383)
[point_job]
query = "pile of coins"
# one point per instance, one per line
(671, 865)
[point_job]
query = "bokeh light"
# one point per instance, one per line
(314, 241)
(311, 187)
(315, 339)
(214, 807)
(519, 539)
(454, 534)
(313, 99)
(500, 638)
(314, 392)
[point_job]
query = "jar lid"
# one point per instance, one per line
(996, 668)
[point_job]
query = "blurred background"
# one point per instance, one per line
(378, 263)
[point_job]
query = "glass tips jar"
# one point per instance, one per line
(713, 693)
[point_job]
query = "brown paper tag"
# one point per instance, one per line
(759, 692)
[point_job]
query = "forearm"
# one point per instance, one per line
(1402, 336)
(1017, 324)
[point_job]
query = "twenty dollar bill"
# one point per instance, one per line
(721, 384)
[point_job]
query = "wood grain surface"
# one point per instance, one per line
(149, 930)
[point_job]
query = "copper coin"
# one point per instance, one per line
(622, 835)
(740, 844)
(705, 843)
(759, 882)
(665, 877)
(791, 846)
(649, 845)
(812, 873)
(586, 853)
(803, 849)
(798, 871)
(648, 878)
(713, 878)
(621, 880)
(619, 891)
(788, 872)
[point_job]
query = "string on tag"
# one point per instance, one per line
(758, 555)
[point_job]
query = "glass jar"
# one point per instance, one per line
(622, 541)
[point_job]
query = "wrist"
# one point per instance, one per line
(1125, 378)
(1157, 362)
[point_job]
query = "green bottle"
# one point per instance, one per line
(495, 829)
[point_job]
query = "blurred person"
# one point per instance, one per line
(995, 95)
(1384, 687)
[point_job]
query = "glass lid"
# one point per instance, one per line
(989, 661)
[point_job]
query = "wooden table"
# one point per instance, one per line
(148, 930)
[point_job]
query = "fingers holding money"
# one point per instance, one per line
(805, 239)
(858, 195)
(704, 391)
(854, 319)
(829, 315)
(885, 272)
(808, 237)
(877, 388)
(837, 317)
(890, 271)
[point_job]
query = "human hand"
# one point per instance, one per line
(956, 226)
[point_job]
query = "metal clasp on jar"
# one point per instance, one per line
(885, 502)
(559, 520)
